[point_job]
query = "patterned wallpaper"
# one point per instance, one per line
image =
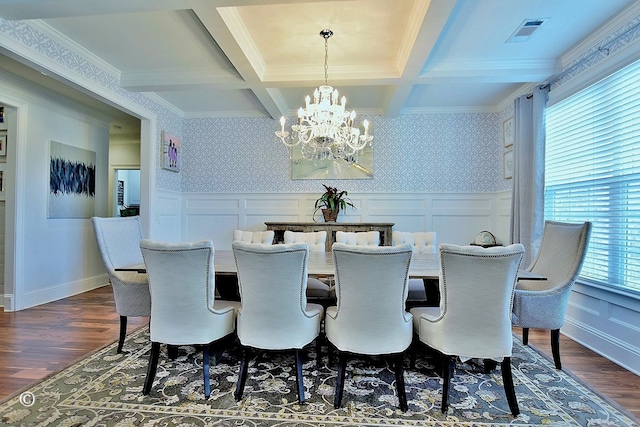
(439, 152)
(36, 41)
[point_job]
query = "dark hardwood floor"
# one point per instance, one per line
(39, 341)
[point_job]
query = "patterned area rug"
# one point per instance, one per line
(105, 389)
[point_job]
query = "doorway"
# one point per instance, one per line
(127, 192)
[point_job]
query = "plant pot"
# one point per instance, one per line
(330, 215)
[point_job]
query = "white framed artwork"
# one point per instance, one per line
(507, 164)
(507, 132)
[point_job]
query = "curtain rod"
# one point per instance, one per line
(602, 49)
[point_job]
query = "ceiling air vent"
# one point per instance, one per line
(526, 30)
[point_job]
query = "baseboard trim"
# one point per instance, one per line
(64, 291)
(619, 352)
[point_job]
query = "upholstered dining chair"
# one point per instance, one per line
(184, 310)
(361, 238)
(421, 242)
(474, 317)
(370, 317)
(542, 304)
(274, 313)
(118, 240)
(264, 237)
(424, 242)
(316, 240)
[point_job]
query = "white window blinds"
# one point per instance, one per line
(592, 173)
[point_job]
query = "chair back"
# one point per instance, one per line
(118, 240)
(477, 289)
(182, 285)
(264, 237)
(562, 253)
(421, 242)
(316, 239)
(371, 291)
(273, 285)
(363, 238)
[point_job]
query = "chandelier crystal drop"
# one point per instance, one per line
(325, 128)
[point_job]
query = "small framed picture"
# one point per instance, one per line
(170, 152)
(3, 144)
(507, 132)
(507, 164)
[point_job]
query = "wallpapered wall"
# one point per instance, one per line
(439, 152)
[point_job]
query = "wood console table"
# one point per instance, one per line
(331, 227)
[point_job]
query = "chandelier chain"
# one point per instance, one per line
(326, 60)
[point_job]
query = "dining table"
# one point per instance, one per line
(423, 266)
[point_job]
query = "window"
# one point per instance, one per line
(593, 174)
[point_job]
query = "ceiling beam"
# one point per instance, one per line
(436, 17)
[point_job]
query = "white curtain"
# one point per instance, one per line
(527, 198)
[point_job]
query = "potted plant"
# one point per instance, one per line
(331, 201)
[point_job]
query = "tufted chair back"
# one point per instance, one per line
(422, 242)
(364, 238)
(316, 239)
(316, 242)
(264, 237)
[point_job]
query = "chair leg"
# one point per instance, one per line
(330, 351)
(509, 390)
(242, 374)
(489, 365)
(342, 365)
(123, 333)
(205, 371)
(555, 347)
(299, 376)
(172, 352)
(399, 370)
(413, 350)
(525, 336)
(447, 372)
(319, 341)
(151, 370)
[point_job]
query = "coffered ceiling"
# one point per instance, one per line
(208, 58)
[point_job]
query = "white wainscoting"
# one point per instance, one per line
(607, 322)
(455, 217)
(168, 218)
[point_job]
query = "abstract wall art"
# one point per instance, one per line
(72, 181)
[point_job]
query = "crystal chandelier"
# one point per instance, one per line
(325, 128)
